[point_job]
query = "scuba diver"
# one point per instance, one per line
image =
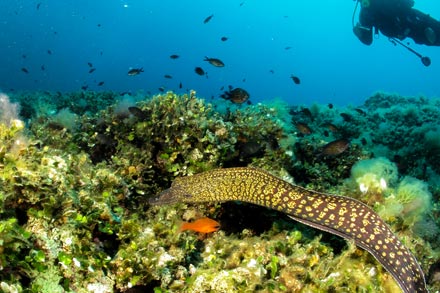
(397, 20)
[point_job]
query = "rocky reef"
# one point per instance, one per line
(77, 171)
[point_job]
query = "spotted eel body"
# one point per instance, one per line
(340, 215)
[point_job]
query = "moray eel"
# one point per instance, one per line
(339, 215)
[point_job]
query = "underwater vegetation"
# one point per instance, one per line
(76, 181)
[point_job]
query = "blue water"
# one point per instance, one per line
(334, 67)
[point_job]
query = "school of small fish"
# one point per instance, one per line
(235, 97)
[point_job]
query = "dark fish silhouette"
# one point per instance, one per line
(307, 112)
(360, 111)
(295, 79)
(346, 117)
(180, 85)
(49, 52)
(135, 71)
(199, 71)
(331, 127)
(236, 96)
(100, 83)
(84, 87)
(208, 18)
(214, 61)
(24, 69)
(224, 39)
(168, 76)
(43, 67)
(174, 56)
(250, 149)
(91, 70)
(90, 64)
(38, 6)
(138, 113)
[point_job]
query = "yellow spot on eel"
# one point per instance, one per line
(339, 215)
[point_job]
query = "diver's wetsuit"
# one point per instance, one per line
(396, 19)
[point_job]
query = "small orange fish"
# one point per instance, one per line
(203, 225)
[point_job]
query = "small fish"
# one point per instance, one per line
(330, 106)
(84, 87)
(90, 64)
(287, 48)
(174, 56)
(208, 19)
(236, 96)
(335, 147)
(250, 149)
(346, 117)
(307, 112)
(91, 70)
(98, 25)
(203, 225)
(360, 111)
(38, 6)
(180, 85)
(168, 76)
(24, 69)
(214, 61)
(135, 71)
(271, 71)
(224, 39)
(161, 89)
(199, 71)
(43, 67)
(100, 83)
(49, 52)
(23, 56)
(303, 128)
(138, 113)
(331, 127)
(295, 79)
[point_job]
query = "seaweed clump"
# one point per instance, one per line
(69, 208)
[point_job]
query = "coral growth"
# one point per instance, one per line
(74, 213)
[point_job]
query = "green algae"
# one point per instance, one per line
(73, 200)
